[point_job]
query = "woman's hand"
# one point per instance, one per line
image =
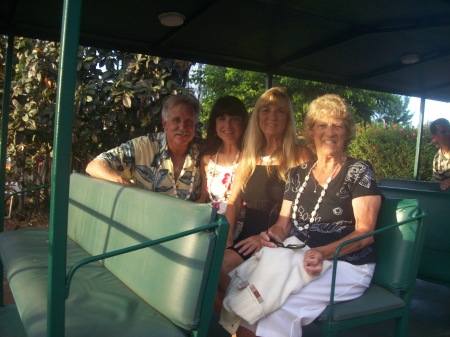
(248, 245)
(266, 239)
(230, 242)
(312, 262)
(280, 230)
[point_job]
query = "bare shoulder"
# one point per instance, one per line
(304, 154)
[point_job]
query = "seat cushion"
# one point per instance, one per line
(98, 304)
(375, 299)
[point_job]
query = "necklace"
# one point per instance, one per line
(229, 181)
(319, 200)
(316, 182)
(191, 186)
(315, 185)
(266, 159)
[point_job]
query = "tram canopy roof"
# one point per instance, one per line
(358, 43)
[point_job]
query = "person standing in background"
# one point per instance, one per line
(440, 130)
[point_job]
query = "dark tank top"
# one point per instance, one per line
(263, 193)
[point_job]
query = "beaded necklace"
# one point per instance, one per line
(191, 186)
(319, 200)
(227, 186)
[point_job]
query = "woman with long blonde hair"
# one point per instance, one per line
(270, 150)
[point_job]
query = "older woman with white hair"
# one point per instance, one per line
(326, 202)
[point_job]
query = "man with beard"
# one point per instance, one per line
(166, 162)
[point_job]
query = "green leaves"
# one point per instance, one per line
(126, 99)
(118, 96)
(213, 82)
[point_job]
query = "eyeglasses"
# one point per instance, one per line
(278, 243)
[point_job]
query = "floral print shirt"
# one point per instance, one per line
(219, 180)
(147, 161)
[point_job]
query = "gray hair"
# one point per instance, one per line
(328, 106)
(180, 99)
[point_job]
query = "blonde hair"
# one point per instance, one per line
(254, 140)
(328, 106)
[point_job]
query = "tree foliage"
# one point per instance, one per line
(213, 82)
(118, 96)
(391, 110)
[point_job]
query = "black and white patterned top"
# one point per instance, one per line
(335, 217)
(441, 167)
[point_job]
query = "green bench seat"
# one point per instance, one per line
(399, 237)
(163, 290)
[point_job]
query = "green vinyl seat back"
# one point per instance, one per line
(172, 274)
(399, 237)
(436, 247)
(398, 250)
(411, 184)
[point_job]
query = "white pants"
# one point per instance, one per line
(305, 306)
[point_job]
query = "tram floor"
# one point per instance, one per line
(430, 317)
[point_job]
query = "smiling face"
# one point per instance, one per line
(229, 128)
(180, 126)
(329, 136)
(329, 115)
(272, 120)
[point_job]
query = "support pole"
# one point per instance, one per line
(62, 144)
(268, 81)
(419, 140)
(4, 135)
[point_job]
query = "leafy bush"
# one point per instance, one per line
(391, 150)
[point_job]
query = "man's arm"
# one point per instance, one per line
(99, 168)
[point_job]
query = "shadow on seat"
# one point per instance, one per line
(399, 237)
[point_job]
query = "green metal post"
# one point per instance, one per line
(4, 134)
(62, 143)
(419, 140)
(5, 114)
(268, 81)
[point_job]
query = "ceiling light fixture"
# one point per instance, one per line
(171, 19)
(410, 59)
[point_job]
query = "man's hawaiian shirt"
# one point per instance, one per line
(146, 160)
